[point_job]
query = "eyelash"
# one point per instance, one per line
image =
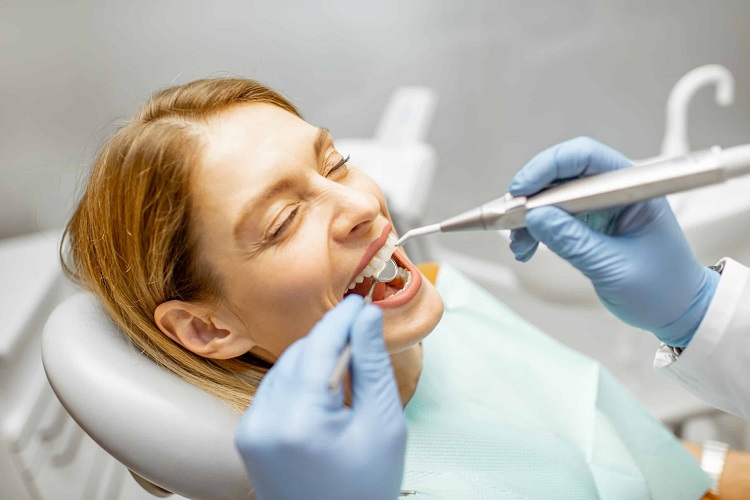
(294, 212)
(285, 224)
(338, 165)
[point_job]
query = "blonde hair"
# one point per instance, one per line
(131, 242)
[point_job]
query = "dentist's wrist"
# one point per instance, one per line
(681, 332)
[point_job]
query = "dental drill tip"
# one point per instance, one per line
(419, 231)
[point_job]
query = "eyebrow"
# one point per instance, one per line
(321, 138)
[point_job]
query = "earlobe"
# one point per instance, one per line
(195, 327)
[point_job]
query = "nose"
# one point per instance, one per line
(353, 213)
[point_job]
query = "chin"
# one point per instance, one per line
(404, 327)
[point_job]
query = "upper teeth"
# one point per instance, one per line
(377, 263)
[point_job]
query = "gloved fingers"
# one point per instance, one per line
(283, 394)
(373, 382)
(326, 340)
(574, 158)
(522, 244)
(569, 238)
(640, 216)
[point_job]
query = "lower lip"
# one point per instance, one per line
(407, 294)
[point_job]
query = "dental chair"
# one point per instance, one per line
(172, 436)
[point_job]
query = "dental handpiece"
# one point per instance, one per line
(605, 190)
(388, 274)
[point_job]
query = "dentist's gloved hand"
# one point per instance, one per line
(637, 257)
(299, 441)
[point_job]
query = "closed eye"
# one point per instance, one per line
(337, 166)
(284, 225)
(279, 231)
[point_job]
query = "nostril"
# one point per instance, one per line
(362, 226)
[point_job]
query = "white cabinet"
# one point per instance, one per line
(44, 454)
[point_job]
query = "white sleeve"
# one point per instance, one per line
(715, 366)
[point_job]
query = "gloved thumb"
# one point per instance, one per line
(373, 382)
(568, 237)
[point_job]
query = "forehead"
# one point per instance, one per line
(252, 133)
(246, 149)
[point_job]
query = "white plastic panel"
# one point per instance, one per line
(68, 471)
(404, 173)
(30, 267)
(407, 116)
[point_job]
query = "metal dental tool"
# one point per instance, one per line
(608, 189)
(388, 274)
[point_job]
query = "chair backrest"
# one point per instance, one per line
(158, 425)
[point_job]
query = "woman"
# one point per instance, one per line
(218, 227)
(197, 217)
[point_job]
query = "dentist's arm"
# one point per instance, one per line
(645, 273)
(298, 440)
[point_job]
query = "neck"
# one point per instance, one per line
(407, 366)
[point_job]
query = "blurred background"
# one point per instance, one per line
(512, 77)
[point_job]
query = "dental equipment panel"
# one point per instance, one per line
(609, 189)
(386, 275)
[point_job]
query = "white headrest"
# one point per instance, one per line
(158, 425)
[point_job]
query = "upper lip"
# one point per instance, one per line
(373, 249)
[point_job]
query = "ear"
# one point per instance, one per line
(206, 331)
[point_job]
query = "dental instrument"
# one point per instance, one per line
(609, 189)
(386, 275)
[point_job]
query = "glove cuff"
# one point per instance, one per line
(681, 331)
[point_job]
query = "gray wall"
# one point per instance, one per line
(514, 76)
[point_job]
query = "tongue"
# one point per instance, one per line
(379, 292)
(361, 288)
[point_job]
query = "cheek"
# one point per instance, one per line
(280, 302)
(293, 282)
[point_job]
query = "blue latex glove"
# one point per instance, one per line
(637, 257)
(299, 441)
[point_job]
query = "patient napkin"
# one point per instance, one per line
(504, 411)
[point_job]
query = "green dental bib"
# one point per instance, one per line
(504, 411)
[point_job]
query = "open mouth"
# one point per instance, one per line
(396, 292)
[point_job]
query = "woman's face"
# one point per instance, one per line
(288, 226)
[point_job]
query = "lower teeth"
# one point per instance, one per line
(407, 280)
